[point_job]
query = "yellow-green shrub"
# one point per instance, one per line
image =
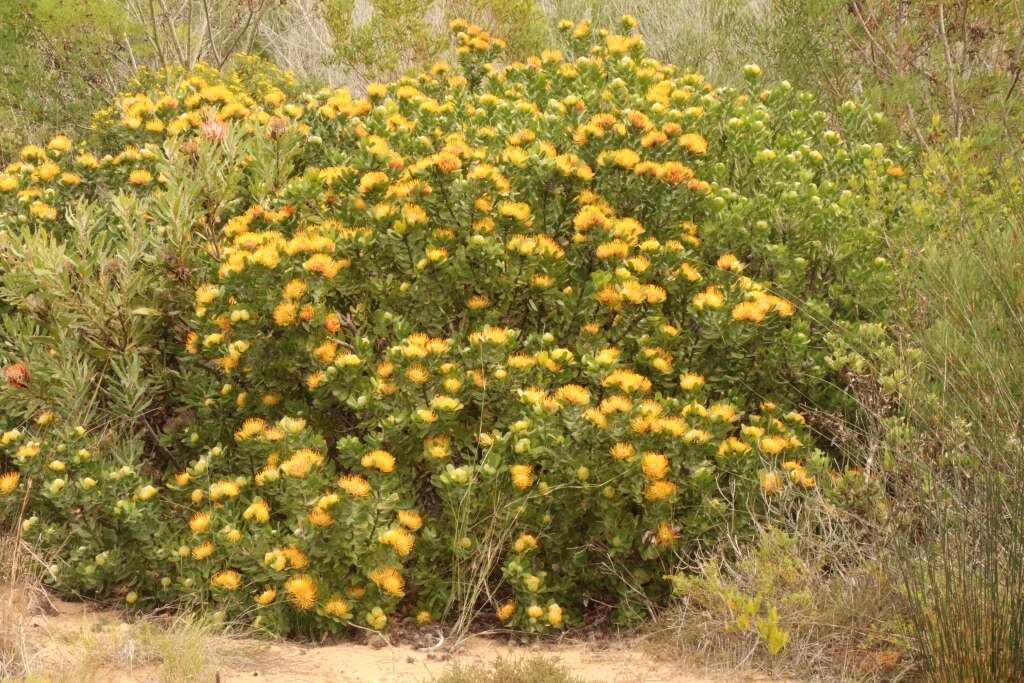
(579, 299)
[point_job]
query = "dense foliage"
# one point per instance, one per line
(517, 336)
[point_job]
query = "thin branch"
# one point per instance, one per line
(949, 66)
(175, 43)
(155, 37)
(131, 52)
(209, 34)
(238, 36)
(188, 35)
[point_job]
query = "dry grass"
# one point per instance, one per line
(21, 593)
(529, 670)
(834, 596)
(84, 646)
(98, 647)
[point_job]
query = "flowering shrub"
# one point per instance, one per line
(519, 335)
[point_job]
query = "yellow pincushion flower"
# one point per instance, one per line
(506, 610)
(47, 171)
(324, 265)
(399, 539)
(354, 485)
(555, 614)
(654, 465)
(228, 579)
(732, 445)
(389, 580)
(371, 180)
(573, 394)
(689, 272)
(9, 482)
(296, 558)
(693, 143)
(771, 482)
(266, 597)
(325, 352)
(258, 511)
(291, 425)
(410, 519)
(299, 463)
(140, 176)
(478, 302)
(628, 381)
(301, 590)
(625, 158)
(723, 411)
(336, 606)
(522, 476)
(43, 211)
(691, 381)
(437, 446)
(657, 490)
(750, 311)
(295, 289)
(203, 550)
(712, 297)
(445, 404)
(266, 256)
(616, 403)
(60, 143)
(417, 374)
(200, 523)
(773, 445)
(252, 427)
(285, 314)
(623, 451)
(224, 489)
(27, 451)
(728, 261)
(320, 517)
(802, 477)
(524, 542)
(697, 436)
(146, 492)
(665, 534)
(380, 460)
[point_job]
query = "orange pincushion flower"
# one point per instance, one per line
(17, 375)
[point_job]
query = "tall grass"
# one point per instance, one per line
(966, 589)
(962, 561)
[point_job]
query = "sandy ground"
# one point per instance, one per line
(106, 648)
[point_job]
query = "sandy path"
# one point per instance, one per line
(114, 652)
(352, 663)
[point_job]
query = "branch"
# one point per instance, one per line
(209, 33)
(949, 67)
(242, 32)
(188, 35)
(155, 38)
(174, 35)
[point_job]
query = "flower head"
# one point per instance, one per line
(301, 589)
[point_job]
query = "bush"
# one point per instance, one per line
(511, 336)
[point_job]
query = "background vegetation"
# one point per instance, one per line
(941, 398)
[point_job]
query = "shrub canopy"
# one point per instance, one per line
(516, 336)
